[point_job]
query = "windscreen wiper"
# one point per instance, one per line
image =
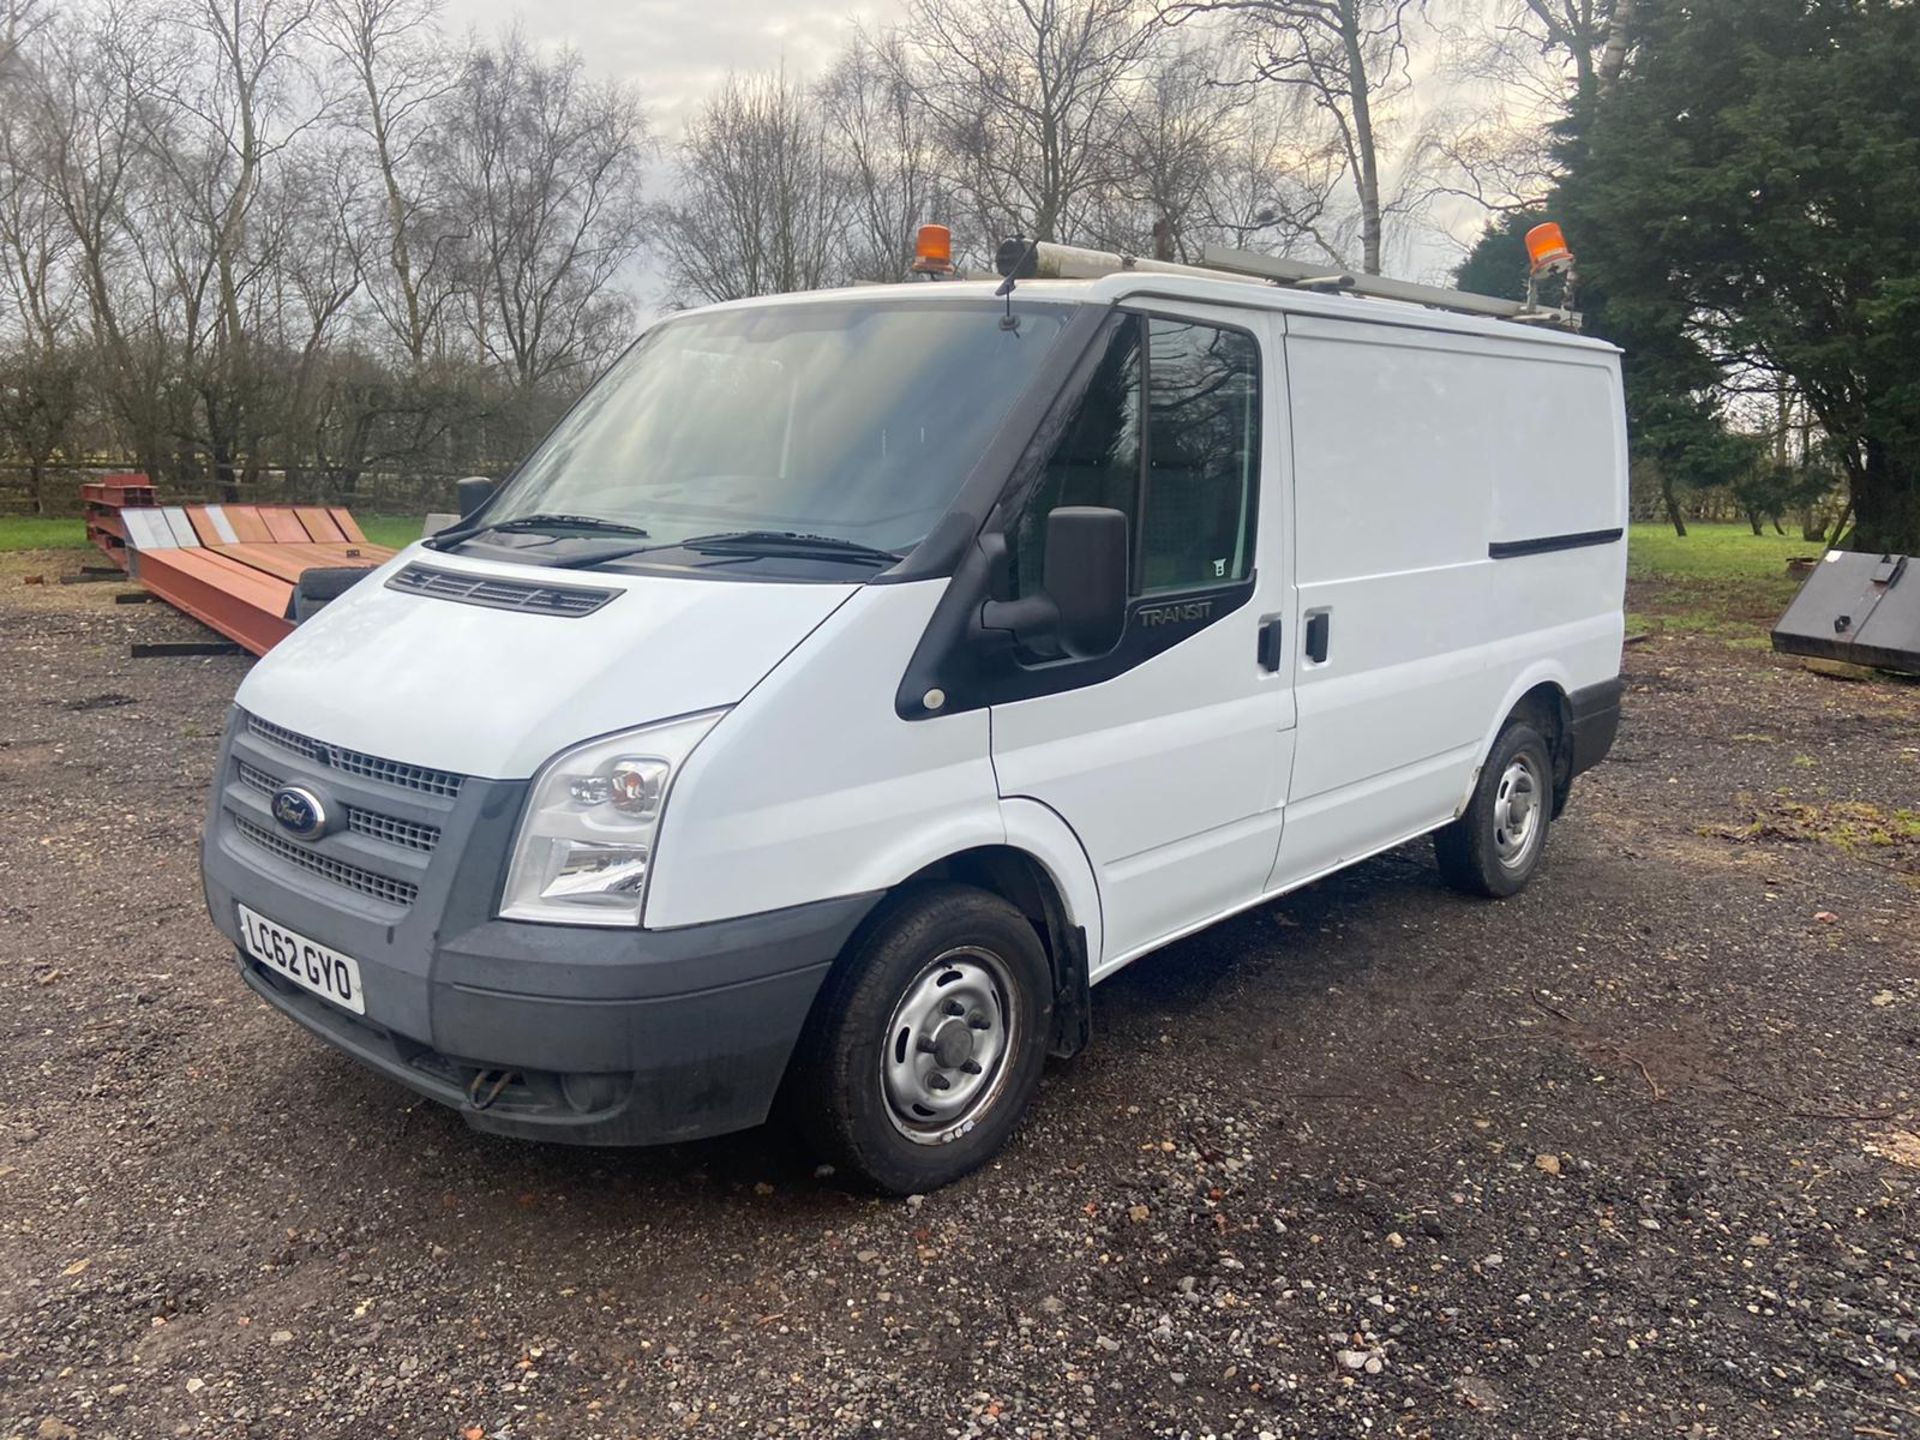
(763, 542)
(537, 523)
(748, 543)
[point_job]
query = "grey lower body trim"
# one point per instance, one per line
(584, 1036)
(702, 1064)
(1594, 714)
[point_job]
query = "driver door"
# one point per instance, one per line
(1170, 757)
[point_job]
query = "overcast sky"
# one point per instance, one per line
(677, 51)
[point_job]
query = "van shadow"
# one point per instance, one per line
(1244, 974)
(1333, 931)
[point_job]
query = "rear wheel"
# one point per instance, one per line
(1497, 843)
(927, 1040)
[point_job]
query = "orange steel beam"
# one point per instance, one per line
(240, 586)
(248, 527)
(286, 562)
(238, 601)
(108, 533)
(319, 523)
(204, 529)
(283, 525)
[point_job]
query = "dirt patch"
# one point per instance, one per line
(1869, 832)
(1901, 1146)
(1295, 1188)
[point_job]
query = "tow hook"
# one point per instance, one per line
(485, 1086)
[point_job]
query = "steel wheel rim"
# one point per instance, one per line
(947, 1046)
(1516, 813)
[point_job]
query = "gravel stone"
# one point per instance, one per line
(1374, 1055)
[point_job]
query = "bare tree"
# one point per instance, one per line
(18, 20)
(1206, 160)
(399, 70)
(312, 237)
(1275, 183)
(40, 379)
(88, 102)
(1551, 50)
(1027, 97)
(35, 243)
(545, 167)
(884, 142)
(227, 115)
(301, 237)
(762, 200)
(1345, 61)
(1172, 141)
(1518, 67)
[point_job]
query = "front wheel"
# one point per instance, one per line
(927, 1040)
(1497, 843)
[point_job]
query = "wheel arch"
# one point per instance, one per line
(1038, 866)
(1024, 881)
(1540, 694)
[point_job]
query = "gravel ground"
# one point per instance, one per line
(1632, 1154)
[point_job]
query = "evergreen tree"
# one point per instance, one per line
(1746, 200)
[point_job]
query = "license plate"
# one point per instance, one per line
(307, 963)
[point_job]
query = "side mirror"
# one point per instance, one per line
(1082, 613)
(473, 492)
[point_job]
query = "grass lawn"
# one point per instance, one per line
(32, 532)
(396, 532)
(1712, 552)
(35, 532)
(1719, 580)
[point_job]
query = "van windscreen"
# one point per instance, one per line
(855, 420)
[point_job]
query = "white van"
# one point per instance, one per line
(854, 679)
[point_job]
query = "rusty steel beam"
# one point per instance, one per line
(242, 603)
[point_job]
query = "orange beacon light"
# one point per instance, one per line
(933, 251)
(1547, 247)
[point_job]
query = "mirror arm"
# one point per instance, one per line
(1033, 620)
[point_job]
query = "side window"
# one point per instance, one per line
(1168, 432)
(1203, 447)
(1097, 458)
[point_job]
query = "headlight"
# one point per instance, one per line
(585, 844)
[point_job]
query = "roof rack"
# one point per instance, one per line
(1044, 259)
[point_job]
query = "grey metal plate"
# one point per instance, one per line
(1860, 608)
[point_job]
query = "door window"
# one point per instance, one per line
(1168, 432)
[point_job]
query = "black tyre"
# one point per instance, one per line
(1494, 848)
(926, 1042)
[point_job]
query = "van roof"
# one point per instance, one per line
(1242, 294)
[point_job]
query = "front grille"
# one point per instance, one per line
(390, 828)
(380, 887)
(354, 762)
(571, 601)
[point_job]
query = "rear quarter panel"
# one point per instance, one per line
(1415, 451)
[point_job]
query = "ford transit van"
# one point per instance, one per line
(854, 680)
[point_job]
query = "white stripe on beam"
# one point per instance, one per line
(222, 526)
(182, 527)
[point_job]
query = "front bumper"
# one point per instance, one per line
(593, 1036)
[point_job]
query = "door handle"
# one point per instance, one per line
(1271, 646)
(1319, 636)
